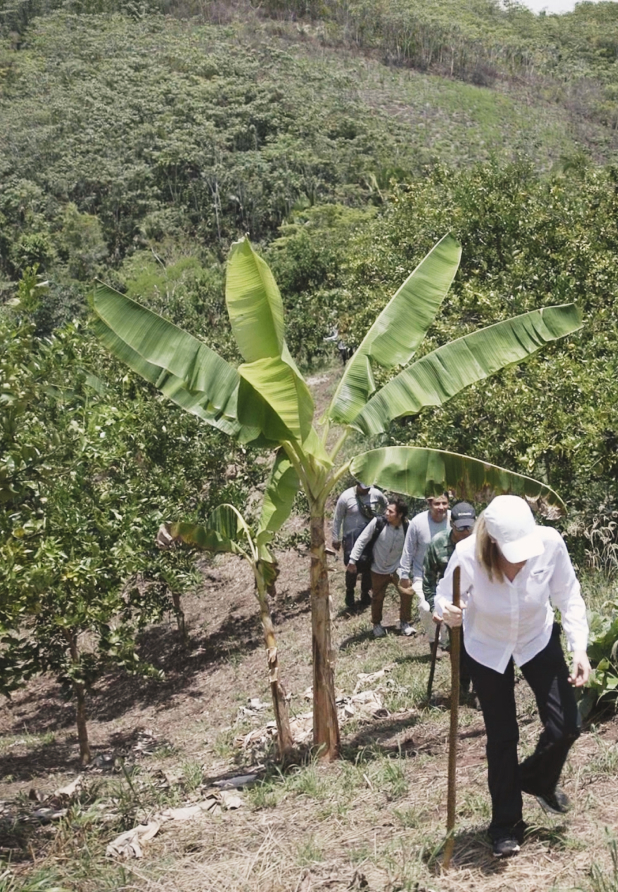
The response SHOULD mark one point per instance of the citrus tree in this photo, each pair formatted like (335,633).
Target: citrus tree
(87,473)
(266,401)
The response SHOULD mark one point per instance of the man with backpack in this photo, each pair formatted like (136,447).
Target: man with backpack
(382,541)
(356,507)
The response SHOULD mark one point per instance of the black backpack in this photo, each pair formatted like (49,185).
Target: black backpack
(381,521)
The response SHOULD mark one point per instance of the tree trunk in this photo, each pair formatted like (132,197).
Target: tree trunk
(280,703)
(80,697)
(180,616)
(82,728)
(325,724)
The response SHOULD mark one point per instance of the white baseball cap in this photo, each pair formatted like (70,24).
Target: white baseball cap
(509,521)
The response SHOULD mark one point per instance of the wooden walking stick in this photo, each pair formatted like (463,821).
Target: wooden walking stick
(434,656)
(452,736)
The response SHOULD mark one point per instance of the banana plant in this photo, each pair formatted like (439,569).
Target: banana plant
(266,402)
(226,530)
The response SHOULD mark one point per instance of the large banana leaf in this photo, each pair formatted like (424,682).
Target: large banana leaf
(437,377)
(160,343)
(275,399)
(420,472)
(399,329)
(205,538)
(254,304)
(170,386)
(256,314)
(278,500)
(226,530)
(279,495)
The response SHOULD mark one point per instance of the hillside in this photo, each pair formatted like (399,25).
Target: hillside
(138,141)
(373,821)
(158,129)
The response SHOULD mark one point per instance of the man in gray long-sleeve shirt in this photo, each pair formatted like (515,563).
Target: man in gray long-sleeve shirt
(387,549)
(421,531)
(356,507)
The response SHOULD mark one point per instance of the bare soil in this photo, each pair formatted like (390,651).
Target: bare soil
(374,820)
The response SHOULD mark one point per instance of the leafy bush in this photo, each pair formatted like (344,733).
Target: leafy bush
(88,472)
(603,654)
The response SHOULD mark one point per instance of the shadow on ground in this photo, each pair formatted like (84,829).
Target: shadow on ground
(31,764)
(184,665)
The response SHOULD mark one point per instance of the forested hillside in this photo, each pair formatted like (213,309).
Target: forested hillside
(138,142)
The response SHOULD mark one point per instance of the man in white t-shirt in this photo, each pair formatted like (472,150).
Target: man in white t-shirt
(421,531)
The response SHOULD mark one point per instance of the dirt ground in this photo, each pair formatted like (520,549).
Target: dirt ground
(374,820)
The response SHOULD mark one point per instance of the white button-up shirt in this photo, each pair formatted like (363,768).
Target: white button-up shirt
(514,619)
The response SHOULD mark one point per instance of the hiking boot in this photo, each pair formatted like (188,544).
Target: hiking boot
(407,629)
(505,847)
(379,631)
(349,602)
(555,803)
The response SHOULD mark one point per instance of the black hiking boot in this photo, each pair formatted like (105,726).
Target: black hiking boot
(505,847)
(555,803)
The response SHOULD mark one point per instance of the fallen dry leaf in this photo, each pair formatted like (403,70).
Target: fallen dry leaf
(127,845)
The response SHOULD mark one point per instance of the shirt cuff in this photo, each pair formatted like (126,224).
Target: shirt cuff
(437,606)
(578,643)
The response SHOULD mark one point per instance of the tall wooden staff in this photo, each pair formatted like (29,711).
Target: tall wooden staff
(452,736)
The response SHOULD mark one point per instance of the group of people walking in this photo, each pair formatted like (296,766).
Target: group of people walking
(513,574)
(380,546)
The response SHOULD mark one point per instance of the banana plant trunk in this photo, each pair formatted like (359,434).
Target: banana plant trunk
(325,723)
(280,703)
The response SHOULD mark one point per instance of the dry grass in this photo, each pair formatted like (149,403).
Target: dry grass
(374,820)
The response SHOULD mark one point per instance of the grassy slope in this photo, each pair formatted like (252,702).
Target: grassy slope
(448,120)
(372,814)
(377,814)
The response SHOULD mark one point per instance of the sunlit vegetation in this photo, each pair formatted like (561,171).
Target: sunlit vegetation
(138,142)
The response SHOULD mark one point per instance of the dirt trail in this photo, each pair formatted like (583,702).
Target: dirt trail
(374,818)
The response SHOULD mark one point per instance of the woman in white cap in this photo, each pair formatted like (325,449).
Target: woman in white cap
(512,573)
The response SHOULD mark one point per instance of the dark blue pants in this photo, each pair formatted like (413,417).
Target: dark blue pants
(364,572)
(547,675)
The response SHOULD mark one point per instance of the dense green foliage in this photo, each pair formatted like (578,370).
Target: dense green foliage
(527,240)
(137,143)
(151,132)
(88,471)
